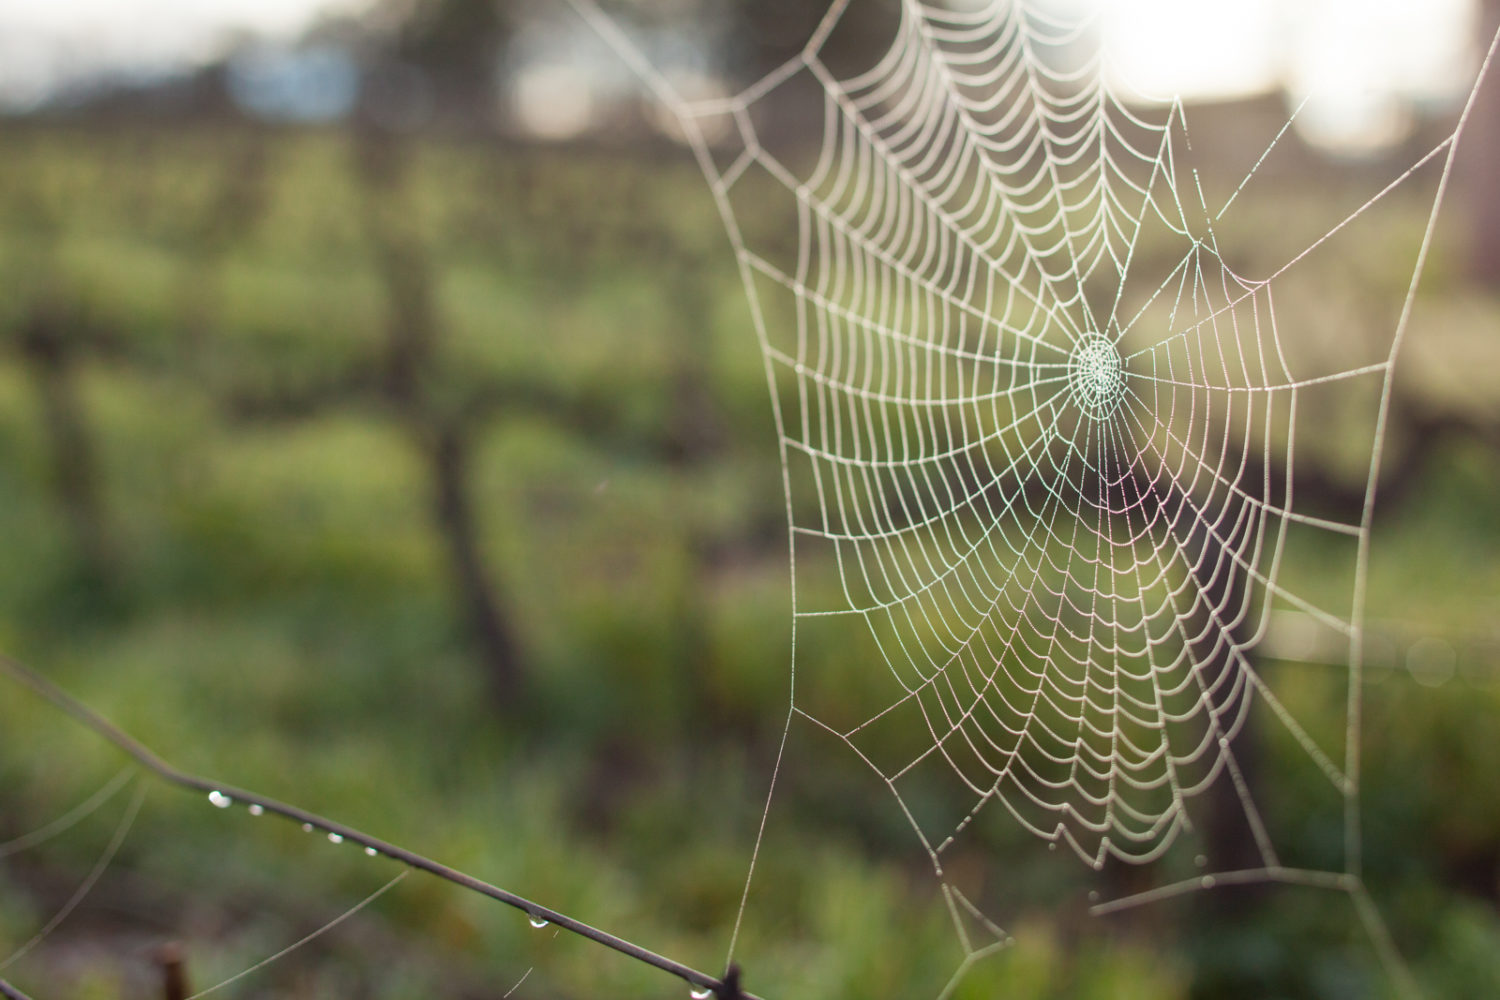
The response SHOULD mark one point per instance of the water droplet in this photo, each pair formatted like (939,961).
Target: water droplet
(334,838)
(1207,881)
(257,810)
(1093,895)
(371,851)
(307,828)
(219,799)
(1052,845)
(702,994)
(1200,861)
(538,923)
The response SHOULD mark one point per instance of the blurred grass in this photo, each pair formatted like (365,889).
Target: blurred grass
(279,614)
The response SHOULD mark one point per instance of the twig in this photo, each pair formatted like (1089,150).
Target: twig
(220,792)
(10,992)
(173,971)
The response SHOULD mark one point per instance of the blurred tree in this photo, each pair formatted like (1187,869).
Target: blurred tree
(237,205)
(52,338)
(444,408)
(456,45)
(51,342)
(763,34)
(442,431)
(1482,150)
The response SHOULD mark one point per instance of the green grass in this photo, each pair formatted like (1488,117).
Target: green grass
(280,616)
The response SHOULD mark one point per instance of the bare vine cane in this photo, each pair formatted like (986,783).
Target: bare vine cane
(10,992)
(224,795)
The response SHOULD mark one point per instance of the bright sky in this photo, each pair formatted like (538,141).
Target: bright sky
(1361,65)
(1420,47)
(1358,57)
(45,42)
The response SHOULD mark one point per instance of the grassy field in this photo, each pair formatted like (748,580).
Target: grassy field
(252,579)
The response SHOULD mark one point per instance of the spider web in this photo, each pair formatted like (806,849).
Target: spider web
(1053,473)
(1045,434)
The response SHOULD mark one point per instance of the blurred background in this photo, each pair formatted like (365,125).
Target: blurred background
(382,428)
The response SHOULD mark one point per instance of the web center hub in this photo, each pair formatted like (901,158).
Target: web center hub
(1096,376)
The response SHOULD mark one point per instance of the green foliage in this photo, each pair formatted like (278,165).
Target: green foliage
(278,611)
